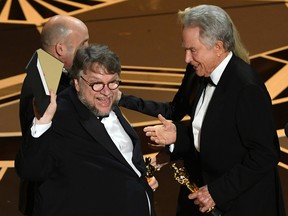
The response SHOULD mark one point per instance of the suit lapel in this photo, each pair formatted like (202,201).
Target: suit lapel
(125,124)
(137,157)
(97,130)
(94,127)
(224,82)
(223,88)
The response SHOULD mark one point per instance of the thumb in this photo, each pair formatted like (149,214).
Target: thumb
(163,120)
(192,195)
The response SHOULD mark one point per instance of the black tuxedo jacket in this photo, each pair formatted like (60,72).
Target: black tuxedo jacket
(82,171)
(239,148)
(26,115)
(175,110)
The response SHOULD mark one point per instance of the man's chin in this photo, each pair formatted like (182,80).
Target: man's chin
(104,112)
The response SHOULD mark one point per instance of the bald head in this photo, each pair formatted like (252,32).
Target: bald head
(62,35)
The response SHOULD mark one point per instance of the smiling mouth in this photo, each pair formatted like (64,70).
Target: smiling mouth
(105,101)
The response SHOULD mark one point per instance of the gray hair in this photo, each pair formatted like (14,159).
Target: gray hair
(213,22)
(87,56)
(215,25)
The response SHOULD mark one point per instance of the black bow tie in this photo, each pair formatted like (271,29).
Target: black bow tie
(101,117)
(208,80)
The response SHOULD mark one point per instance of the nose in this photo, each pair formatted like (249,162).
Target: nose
(106,90)
(188,57)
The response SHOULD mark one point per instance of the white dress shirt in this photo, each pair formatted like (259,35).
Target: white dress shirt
(122,142)
(203,102)
(120,138)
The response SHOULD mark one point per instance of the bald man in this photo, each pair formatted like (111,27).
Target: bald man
(61,36)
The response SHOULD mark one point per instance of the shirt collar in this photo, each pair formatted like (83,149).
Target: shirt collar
(217,73)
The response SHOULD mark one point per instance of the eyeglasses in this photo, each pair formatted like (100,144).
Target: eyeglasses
(98,86)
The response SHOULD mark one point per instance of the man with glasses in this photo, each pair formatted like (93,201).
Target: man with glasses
(88,157)
(98,86)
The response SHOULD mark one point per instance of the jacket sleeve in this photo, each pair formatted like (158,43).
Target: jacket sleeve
(35,160)
(174,110)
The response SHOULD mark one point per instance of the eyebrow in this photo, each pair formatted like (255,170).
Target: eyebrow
(96,79)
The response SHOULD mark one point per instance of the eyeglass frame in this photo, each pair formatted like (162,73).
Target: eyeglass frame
(117,81)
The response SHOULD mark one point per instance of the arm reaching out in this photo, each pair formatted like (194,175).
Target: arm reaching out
(164,134)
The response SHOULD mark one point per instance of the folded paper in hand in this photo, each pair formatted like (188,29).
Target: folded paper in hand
(44,73)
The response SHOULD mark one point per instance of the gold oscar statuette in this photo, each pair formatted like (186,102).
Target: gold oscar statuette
(182,177)
(149,168)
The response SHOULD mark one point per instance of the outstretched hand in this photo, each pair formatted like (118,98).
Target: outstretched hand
(164,134)
(49,113)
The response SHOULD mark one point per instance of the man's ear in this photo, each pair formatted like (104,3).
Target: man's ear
(219,46)
(59,48)
(76,84)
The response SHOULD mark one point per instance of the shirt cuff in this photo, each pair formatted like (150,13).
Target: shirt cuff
(38,129)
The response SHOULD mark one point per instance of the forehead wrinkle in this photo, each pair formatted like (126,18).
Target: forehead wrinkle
(98,68)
